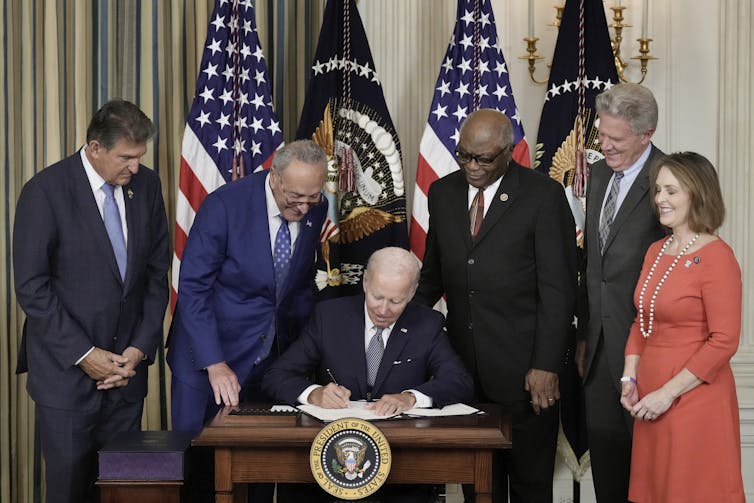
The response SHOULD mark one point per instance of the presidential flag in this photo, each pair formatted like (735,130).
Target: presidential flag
(583,66)
(232,129)
(473,75)
(345,113)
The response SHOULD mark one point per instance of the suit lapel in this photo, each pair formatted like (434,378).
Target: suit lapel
(506,194)
(634,196)
(354,342)
(457,214)
(133,232)
(395,344)
(302,255)
(260,241)
(83,198)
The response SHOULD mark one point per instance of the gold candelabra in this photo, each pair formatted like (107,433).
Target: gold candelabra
(615,43)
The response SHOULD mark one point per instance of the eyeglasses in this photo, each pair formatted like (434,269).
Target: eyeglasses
(296,199)
(481,160)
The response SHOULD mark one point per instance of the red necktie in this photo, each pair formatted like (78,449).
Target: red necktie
(476,213)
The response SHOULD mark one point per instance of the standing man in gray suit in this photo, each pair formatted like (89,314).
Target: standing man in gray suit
(620,226)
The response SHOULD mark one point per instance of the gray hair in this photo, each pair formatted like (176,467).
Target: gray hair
(305,151)
(396,261)
(631,102)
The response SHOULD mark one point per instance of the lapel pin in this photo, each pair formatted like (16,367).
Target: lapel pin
(697,260)
(130,193)
(308,223)
(687,263)
(503,197)
(404,330)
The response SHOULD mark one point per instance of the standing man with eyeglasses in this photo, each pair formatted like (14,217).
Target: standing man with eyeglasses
(246,283)
(501,248)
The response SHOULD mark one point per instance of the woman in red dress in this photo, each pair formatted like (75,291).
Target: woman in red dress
(677,381)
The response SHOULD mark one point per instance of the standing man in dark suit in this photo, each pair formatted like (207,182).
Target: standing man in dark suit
(501,247)
(90,258)
(620,226)
(246,283)
(378,345)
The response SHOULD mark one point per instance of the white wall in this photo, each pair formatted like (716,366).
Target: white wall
(693,39)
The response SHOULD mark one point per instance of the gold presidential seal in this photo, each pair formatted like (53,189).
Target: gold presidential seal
(350,458)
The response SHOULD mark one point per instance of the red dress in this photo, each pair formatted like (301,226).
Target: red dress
(692,452)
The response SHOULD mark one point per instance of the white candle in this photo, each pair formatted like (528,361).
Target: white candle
(645,19)
(531,18)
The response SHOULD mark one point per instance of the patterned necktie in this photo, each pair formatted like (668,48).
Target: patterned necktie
(476,213)
(608,214)
(282,255)
(374,355)
(111,216)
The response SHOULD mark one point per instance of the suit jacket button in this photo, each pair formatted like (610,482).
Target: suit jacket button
(471,261)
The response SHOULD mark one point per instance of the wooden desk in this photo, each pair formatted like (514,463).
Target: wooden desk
(424,451)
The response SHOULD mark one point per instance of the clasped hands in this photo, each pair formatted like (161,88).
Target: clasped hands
(650,407)
(334,396)
(111,370)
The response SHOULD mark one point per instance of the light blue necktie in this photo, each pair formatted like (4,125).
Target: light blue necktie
(114,228)
(374,355)
(282,254)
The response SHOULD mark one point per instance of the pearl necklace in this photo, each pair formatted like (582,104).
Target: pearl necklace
(646,333)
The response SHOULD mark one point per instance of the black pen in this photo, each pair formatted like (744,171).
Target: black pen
(332,377)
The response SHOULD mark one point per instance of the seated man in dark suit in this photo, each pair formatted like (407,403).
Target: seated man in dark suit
(378,346)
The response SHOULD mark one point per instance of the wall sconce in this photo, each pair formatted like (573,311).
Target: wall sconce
(615,42)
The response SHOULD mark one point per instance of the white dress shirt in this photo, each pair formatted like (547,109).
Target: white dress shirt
(370,328)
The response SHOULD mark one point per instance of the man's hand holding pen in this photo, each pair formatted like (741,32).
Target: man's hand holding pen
(332,396)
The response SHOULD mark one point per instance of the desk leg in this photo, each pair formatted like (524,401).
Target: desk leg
(483,476)
(223,478)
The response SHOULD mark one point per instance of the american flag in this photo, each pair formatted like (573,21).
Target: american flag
(473,75)
(231,117)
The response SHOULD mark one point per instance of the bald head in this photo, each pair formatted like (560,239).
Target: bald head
(489,125)
(485,146)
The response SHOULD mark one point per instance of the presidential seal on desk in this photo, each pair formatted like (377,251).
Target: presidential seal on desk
(350,458)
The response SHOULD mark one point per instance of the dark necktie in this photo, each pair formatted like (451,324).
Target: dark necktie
(476,213)
(282,255)
(608,213)
(374,355)
(111,216)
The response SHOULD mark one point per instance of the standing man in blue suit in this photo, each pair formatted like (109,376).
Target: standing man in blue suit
(90,259)
(246,283)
